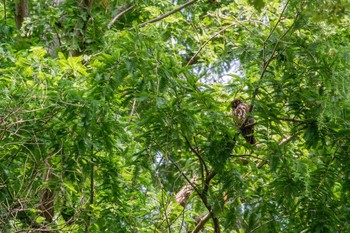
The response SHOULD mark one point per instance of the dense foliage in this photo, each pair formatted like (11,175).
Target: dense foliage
(113,111)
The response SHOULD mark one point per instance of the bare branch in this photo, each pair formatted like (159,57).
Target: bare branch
(168,13)
(133,109)
(210,39)
(128,8)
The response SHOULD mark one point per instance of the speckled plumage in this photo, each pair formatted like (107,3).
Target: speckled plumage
(242,119)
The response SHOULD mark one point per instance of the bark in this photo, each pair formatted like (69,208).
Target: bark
(80,33)
(21,12)
(185,192)
(46,204)
(201,222)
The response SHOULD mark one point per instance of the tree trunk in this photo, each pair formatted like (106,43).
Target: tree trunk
(21,12)
(47,199)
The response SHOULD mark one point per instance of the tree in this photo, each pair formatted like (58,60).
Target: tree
(21,12)
(116,116)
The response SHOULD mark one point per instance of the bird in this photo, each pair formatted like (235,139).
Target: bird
(242,119)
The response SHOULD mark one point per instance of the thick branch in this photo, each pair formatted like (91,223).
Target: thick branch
(186,191)
(182,196)
(202,195)
(205,201)
(168,13)
(201,223)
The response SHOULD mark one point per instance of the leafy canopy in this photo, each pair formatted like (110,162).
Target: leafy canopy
(113,110)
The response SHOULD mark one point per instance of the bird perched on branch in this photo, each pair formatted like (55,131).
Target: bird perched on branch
(242,119)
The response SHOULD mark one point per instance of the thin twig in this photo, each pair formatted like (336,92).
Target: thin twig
(165,206)
(246,155)
(167,14)
(119,15)
(5,13)
(207,41)
(261,225)
(215,35)
(284,141)
(267,62)
(133,109)
(186,178)
(92,192)
(201,160)
(290,119)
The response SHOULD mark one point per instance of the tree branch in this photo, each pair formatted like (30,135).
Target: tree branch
(267,62)
(5,13)
(207,41)
(201,223)
(182,196)
(92,193)
(128,8)
(167,14)
(133,109)
(186,178)
(202,195)
(290,119)
(201,160)
(205,202)
(285,140)
(246,155)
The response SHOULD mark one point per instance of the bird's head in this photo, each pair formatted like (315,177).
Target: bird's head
(235,103)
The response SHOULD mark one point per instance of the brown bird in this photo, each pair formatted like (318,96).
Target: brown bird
(242,119)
